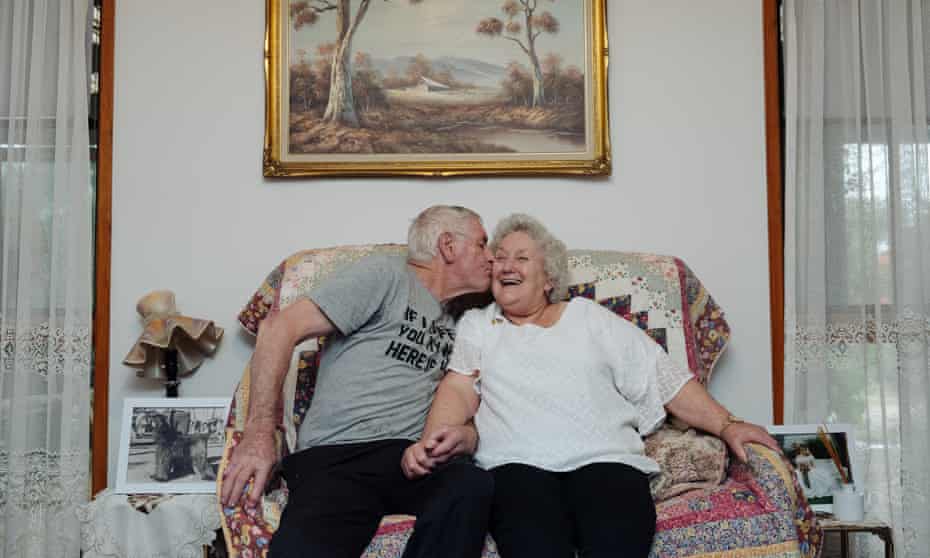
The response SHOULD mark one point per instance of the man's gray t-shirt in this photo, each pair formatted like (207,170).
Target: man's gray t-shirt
(378,375)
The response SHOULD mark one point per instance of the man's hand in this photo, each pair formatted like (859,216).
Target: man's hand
(738,434)
(415,462)
(439,447)
(253,457)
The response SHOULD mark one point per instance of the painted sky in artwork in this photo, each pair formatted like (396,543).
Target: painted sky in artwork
(447,28)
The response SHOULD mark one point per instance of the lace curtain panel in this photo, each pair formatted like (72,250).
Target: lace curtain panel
(46,202)
(857,242)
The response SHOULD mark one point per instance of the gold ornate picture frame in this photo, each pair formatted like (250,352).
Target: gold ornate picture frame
(436,88)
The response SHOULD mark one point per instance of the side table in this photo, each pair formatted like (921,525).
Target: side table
(141,526)
(844,528)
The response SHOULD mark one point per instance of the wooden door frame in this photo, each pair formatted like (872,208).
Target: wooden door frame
(101,335)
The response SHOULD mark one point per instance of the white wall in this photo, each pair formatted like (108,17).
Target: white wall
(192,213)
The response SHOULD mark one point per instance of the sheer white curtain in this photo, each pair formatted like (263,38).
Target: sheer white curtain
(46,224)
(857,242)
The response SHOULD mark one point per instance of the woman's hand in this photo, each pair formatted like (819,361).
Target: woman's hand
(455,404)
(738,434)
(415,462)
(444,443)
(694,405)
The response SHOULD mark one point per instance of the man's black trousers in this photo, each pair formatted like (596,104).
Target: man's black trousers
(339,493)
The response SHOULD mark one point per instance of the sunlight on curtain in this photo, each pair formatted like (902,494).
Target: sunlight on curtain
(46,225)
(857,242)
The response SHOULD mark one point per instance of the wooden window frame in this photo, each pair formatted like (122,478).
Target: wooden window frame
(774,146)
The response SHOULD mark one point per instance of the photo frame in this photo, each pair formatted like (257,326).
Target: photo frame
(436,88)
(171,445)
(816,473)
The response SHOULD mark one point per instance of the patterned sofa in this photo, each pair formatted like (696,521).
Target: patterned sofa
(707,506)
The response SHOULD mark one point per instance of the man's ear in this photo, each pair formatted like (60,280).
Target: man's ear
(447,247)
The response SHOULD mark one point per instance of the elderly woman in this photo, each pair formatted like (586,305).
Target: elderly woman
(561,394)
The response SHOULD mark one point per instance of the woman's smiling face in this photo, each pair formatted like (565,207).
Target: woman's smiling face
(519,281)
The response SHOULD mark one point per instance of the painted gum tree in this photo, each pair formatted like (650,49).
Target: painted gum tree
(532,25)
(341,104)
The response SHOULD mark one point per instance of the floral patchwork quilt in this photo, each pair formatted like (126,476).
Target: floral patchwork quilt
(757,511)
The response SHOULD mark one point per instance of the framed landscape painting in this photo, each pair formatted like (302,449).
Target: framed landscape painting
(436,87)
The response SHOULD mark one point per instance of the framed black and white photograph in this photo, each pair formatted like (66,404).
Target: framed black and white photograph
(820,469)
(171,445)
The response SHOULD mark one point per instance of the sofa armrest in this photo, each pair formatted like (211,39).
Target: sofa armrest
(243,528)
(767,470)
(770,473)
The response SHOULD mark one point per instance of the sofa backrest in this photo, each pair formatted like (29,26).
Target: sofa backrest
(660,294)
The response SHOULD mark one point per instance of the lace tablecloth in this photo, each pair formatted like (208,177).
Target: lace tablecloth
(150,526)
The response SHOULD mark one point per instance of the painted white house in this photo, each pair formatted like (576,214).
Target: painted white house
(428,85)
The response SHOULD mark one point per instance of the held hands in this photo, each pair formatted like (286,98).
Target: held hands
(738,434)
(440,446)
(253,457)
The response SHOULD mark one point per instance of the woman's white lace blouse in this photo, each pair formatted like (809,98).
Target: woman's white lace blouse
(581,391)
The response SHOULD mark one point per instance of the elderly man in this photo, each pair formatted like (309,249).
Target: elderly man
(390,336)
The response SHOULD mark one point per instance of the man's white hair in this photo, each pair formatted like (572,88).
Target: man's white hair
(555,254)
(424,232)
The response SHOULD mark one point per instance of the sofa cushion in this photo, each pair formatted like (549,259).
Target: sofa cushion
(688,459)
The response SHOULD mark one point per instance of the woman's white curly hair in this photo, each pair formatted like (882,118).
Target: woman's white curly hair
(555,254)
